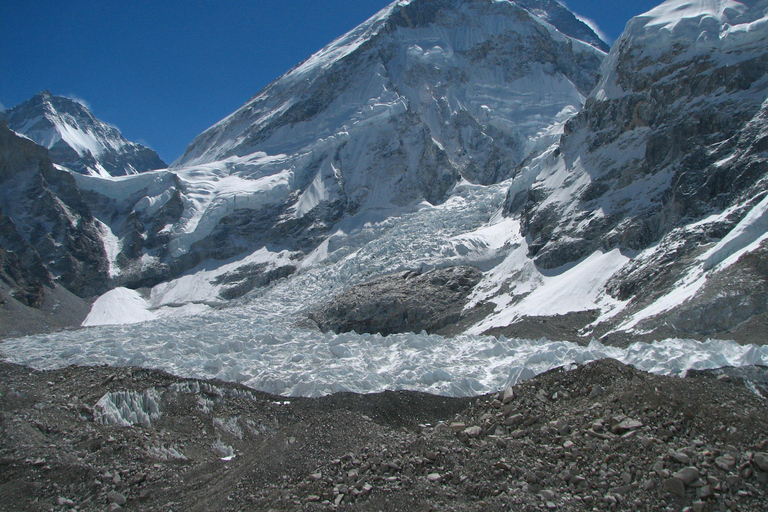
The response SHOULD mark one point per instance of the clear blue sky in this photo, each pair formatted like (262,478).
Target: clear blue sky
(164,71)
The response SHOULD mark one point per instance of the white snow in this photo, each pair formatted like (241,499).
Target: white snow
(752,230)
(745,237)
(200,285)
(725,30)
(84,142)
(119,306)
(671,13)
(574,288)
(112,246)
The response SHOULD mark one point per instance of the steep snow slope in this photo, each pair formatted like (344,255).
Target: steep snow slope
(77,140)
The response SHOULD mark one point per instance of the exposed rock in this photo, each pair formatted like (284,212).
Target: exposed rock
(680,457)
(116,497)
(473,432)
(627,425)
(726,462)
(45,223)
(675,486)
(403,302)
(761,459)
(687,475)
(393,451)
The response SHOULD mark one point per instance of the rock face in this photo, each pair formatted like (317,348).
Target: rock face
(50,244)
(674,132)
(667,157)
(49,234)
(404,302)
(77,140)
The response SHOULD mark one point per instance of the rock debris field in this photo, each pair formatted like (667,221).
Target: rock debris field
(600,436)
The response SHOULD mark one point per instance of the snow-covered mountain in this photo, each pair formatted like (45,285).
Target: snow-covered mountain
(425,95)
(77,140)
(477,169)
(621,197)
(657,191)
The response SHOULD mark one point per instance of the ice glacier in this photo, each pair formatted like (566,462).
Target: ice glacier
(260,342)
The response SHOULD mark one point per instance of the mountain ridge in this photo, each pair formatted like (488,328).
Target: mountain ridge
(77,140)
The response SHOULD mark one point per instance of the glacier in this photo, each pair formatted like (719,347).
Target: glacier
(260,341)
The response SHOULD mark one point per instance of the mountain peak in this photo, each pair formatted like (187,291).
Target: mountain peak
(413,48)
(78,140)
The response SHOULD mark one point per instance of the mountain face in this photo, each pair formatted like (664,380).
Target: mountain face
(480,164)
(397,112)
(77,140)
(667,163)
(50,244)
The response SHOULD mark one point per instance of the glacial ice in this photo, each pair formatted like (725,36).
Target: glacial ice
(258,341)
(127,408)
(235,346)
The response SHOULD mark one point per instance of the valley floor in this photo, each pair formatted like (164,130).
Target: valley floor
(596,436)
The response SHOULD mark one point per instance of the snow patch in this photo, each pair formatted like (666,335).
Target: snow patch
(752,229)
(575,288)
(119,306)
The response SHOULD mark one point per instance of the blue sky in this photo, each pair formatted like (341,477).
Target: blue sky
(165,71)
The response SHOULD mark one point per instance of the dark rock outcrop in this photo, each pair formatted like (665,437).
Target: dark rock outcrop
(403,302)
(45,223)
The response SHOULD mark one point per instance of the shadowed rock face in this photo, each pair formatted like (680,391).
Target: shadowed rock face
(403,302)
(46,230)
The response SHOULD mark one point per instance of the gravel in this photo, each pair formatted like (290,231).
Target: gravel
(600,436)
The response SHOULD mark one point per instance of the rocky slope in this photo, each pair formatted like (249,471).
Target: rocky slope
(667,163)
(50,244)
(601,436)
(77,140)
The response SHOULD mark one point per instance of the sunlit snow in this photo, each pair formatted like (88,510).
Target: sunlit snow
(259,341)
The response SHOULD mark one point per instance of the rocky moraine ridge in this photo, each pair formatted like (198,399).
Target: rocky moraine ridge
(602,436)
